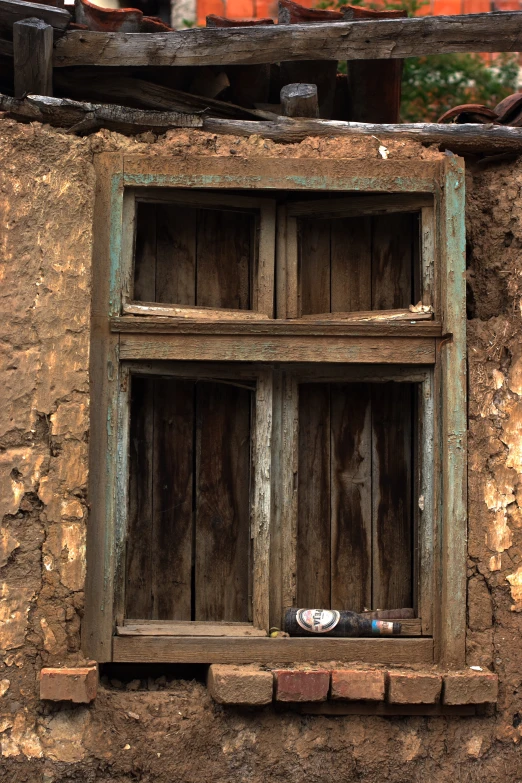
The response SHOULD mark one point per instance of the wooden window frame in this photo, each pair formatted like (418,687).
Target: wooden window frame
(435,347)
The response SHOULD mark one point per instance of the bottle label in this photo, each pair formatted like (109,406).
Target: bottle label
(382,628)
(317,620)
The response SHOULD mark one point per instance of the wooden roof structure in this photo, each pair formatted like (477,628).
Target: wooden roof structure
(44,49)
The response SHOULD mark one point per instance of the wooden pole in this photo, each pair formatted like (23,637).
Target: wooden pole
(33,57)
(300,100)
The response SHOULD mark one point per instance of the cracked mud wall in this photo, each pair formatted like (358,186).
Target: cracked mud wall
(170,730)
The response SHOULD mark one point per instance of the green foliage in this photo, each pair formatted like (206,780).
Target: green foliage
(432,85)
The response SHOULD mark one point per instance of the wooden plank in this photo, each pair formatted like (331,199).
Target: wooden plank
(410,628)
(222,502)
(224,258)
(33,57)
(12,11)
(212,314)
(239,322)
(144,283)
(138,628)
(355,206)
(139,566)
(351,268)
(264,275)
(461,139)
(237,651)
(314,266)
(276,565)
(373,373)
(175,254)
(397,38)
(349,295)
(392,283)
(392,496)
(351,505)
(262,503)
(313,497)
(230,173)
(289,492)
(299,100)
(187,347)
(6,49)
(97,625)
(426,514)
(454,425)
(172,515)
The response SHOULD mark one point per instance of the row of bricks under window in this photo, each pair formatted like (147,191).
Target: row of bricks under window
(249,685)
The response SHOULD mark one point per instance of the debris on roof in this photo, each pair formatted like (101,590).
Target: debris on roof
(507,112)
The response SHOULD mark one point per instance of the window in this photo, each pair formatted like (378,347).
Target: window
(278,407)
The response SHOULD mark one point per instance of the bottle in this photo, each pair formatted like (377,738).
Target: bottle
(330,622)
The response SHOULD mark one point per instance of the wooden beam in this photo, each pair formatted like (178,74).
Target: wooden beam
(469,138)
(300,100)
(89,117)
(226,348)
(217,650)
(12,11)
(230,630)
(33,57)
(307,326)
(396,38)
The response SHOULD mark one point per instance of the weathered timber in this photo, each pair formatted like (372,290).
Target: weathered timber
(168,628)
(147,95)
(185,311)
(6,48)
(187,347)
(89,117)
(360,40)
(33,57)
(236,651)
(300,100)
(12,11)
(243,322)
(472,138)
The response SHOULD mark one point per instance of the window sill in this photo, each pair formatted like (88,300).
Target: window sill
(169,649)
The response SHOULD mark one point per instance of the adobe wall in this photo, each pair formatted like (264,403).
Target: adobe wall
(171,731)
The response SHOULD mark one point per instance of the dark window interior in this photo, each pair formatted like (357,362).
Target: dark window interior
(188,549)
(358,263)
(355,495)
(195,256)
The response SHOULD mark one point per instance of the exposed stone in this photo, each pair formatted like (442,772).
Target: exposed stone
(240,685)
(4,687)
(413,687)
(302,684)
(77,685)
(470,687)
(8,544)
(357,684)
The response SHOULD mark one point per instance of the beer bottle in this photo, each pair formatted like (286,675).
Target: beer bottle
(330,622)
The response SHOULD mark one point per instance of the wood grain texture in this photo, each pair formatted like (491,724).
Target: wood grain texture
(237,651)
(172,513)
(175,254)
(12,11)
(355,206)
(392,247)
(314,266)
(144,283)
(351,268)
(222,502)
(370,350)
(138,628)
(262,499)
(394,323)
(313,493)
(351,505)
(395,38)
(392,496)
(139,560)
(33,57)
(224,259)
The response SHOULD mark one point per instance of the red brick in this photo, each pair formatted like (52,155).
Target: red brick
(357,685)
(78,685)
(240,685)
(470,688)
(413,687)
(302,684)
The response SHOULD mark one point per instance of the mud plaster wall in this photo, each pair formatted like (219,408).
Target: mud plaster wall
(178,734)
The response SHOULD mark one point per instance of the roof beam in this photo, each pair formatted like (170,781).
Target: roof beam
(365,39)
